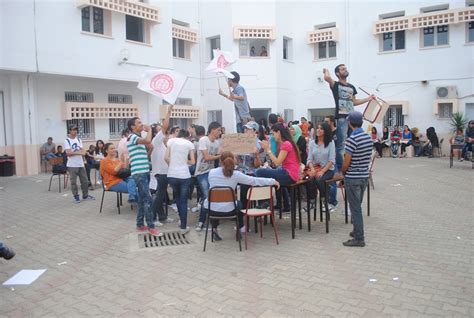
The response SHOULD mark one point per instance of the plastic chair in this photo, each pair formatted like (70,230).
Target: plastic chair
(58,161)
(119,197)
(221,195)
(256,194)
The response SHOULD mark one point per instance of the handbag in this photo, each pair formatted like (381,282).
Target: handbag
(124,173)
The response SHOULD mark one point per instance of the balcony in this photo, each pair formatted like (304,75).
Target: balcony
(74,110)
(128,7)
(424,20)
(184,33)
(323,35)
(254,32)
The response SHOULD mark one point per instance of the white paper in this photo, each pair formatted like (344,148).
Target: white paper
(373,280)
(395,278)
(25,277)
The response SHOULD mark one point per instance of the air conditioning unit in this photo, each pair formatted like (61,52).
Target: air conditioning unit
(446,92)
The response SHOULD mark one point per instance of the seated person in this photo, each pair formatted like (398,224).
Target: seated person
(226,176)
(61,153)
(416,141)
(300,141)
(468,140)
(433,141)
(395,141)
(406,141)
(457,139)
(47,149)
(263,52)
(109,169)
(378,144)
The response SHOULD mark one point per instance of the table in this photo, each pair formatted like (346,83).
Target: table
(293,188)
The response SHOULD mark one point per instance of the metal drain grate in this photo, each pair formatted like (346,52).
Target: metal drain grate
(147,240)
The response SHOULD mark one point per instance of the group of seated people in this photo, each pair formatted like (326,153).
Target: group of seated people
(188,158)
(397,140)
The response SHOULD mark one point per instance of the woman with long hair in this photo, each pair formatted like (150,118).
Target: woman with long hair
(322,158)
(226,176)
(109,170)
(300,141)
(407,137)
(287,161)
(378,145)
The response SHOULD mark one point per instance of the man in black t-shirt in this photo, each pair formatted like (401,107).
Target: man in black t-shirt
(344,97)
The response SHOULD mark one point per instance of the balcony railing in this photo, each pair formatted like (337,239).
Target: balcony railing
(72,110)
(254,32)
(424,20)
(184,33)
(128,7)
(323,35)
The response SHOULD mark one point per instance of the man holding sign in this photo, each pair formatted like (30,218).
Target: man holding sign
(344,96)
(241,104)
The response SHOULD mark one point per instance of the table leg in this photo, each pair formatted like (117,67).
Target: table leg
(308,210)
(293,213)
(368,197)
(299,208)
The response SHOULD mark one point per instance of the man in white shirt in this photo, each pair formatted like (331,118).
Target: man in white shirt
(75,165)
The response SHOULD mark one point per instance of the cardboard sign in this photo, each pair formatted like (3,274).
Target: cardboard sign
(375,111)
(238,144)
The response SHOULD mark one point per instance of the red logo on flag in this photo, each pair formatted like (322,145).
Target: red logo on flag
(162,83)
(222,62)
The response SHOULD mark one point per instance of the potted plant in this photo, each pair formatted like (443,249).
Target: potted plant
(458,121)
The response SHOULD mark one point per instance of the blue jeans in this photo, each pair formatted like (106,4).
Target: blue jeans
(182,189)
(355,189)
(160,197)
(127,186)
(240,128)
(142,181)
(320,183)
(340,142)
(333,191)
(203,184)
(467,147)
(282,176)
(48,156)
(394,147)
(2,247)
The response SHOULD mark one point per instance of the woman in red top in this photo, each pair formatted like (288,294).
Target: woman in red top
(287,161)
(109,169)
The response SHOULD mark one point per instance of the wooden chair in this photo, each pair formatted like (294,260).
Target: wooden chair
(58,161)
(222,195)
(253,195)
(295,192)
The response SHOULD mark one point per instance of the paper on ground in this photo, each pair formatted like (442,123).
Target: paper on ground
(25,277)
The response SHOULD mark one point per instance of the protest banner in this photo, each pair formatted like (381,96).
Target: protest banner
(238,144)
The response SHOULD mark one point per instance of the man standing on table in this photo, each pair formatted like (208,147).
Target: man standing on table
(356,174)
(140,167)
(241,104)
(344,95)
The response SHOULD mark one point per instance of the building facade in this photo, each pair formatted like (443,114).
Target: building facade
(80,61)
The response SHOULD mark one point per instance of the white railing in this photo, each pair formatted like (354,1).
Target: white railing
(72,110)
(128,7)
(323,35)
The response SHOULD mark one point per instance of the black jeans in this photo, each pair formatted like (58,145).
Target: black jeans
(160,197)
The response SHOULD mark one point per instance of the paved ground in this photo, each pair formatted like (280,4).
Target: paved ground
(420,231)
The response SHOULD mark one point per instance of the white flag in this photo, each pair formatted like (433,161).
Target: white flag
(221,60)
(166,84)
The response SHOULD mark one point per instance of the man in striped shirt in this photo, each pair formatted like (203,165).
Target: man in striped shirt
(356,173)
(140,168)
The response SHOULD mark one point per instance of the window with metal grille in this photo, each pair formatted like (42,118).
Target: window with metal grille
(394,116)
(85,127)
(79,97)
(214,115)
(120,99)
(116,125)
(445,110)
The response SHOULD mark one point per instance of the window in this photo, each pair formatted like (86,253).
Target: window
(181,49)
(184,101)
(325,49)
(254,47)
(85,127)
(78,97)
(215,43)
(96,24)
(288,114)
(470,31)
(394,116)
(287,49)
(393,41)
(445,110)
(120,99)
(181,122)
(214,115)
(116,125)
(435,36)
(137,29)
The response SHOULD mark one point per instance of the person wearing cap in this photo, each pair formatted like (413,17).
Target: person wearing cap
(75,165)
(241,104)
(356,174)
(344,96)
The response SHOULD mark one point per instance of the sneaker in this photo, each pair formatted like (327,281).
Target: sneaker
(351,234)
(7,253)
(197,208)
(173,206)
(155,232)
(179,222)
(76,199)
(199,226)
(216,236)
(88,198)
(142,228)
(158,223)
(462,159)
(354,242)
(186,230)
(168,220)
(332,208)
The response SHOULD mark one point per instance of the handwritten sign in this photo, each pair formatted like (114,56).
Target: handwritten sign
(238,144)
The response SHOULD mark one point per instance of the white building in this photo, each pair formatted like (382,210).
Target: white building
(81,60)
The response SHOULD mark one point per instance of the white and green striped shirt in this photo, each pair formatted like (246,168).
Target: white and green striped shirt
(138,156)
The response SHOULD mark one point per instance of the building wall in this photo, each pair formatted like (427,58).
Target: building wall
(47,54)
